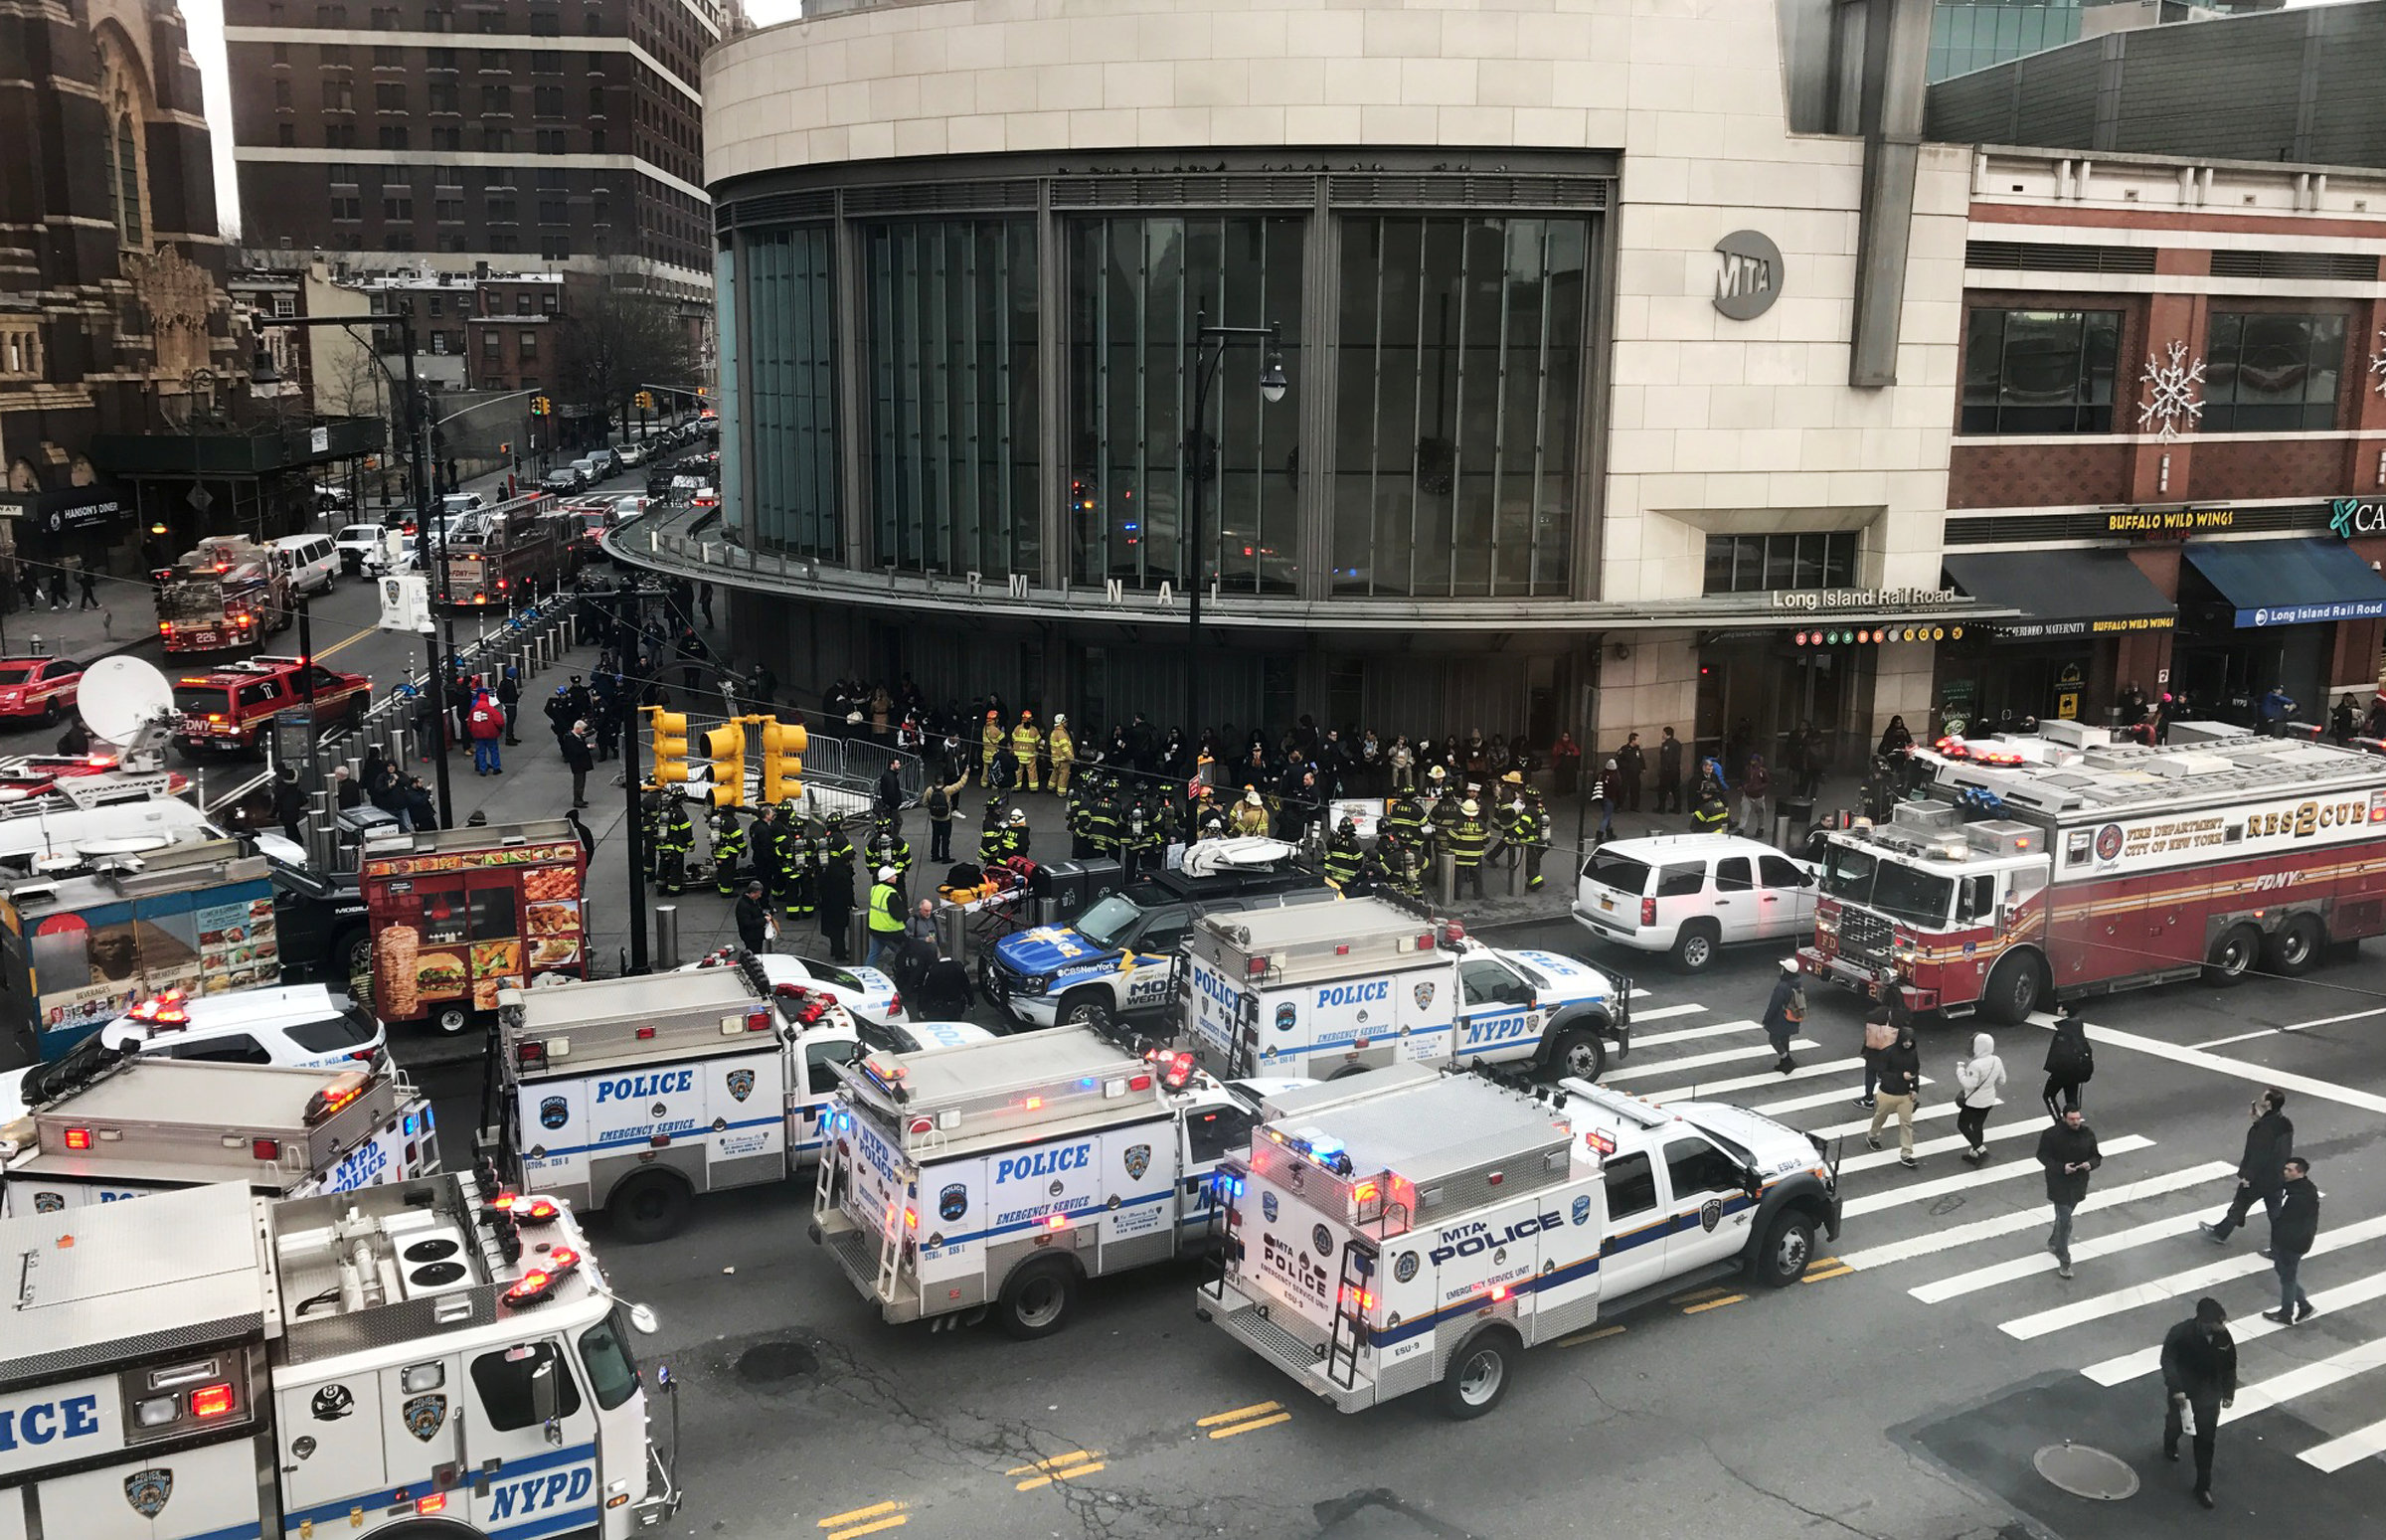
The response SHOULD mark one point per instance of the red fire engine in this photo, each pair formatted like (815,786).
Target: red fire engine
(2069,864)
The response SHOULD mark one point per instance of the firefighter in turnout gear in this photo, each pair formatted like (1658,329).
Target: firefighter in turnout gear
(1103,819)
(1404,815)
(1213,825)
(674,840)
(993,840)
(1403,861)
(887,848)
(1250,816)
(1064,754)
(728,846)
(1524,827)
(1444,816)
(1470,837)
(791,855)
(1710,814)
(1027,743)
(990,743)
(837,844)
(651,829)
(1079,806)
(1014,833)
(1343,855)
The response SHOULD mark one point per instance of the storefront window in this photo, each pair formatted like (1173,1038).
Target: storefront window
(790,413)
(1458,404)
(1753,564)
(1135,286)
(2271,373)
(952,355)
(2040,371)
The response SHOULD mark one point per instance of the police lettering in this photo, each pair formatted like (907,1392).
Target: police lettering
(636,1087)
(1213,987)
(1354,995)
(1044,1162)
(540,1493)
(1473,1240)
(45,1422)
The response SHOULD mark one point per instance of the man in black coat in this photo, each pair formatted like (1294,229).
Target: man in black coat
(1669,774)
(834,888)
(2199,1376)
(1631,764)
(889,802)
(2269,1141)
(2292,1230)
(2068,1153)
(754,915)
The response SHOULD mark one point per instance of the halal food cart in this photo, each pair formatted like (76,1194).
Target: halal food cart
(457,915)
(75,952)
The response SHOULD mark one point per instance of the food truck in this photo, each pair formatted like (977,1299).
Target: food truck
(75,952)
(457,915)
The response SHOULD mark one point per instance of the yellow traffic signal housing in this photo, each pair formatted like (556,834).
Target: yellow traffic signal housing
(671,746)
(725,745)
(783,761)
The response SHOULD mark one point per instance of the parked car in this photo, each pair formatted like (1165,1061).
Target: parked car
(329,497)
(38,687)
(364,548)
(315,561)
(1691,894)
(565,479)
(630,455)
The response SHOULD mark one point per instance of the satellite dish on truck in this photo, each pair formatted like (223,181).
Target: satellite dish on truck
(128,702)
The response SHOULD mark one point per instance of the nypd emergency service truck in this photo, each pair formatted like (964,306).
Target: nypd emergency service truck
(634,1094)
(1001,1176)
(132,1125)
(408,1361)
(1328,991)
(1418,1227)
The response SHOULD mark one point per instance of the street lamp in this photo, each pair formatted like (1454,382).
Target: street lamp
(1273,385)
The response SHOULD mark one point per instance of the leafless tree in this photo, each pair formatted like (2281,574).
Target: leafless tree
(618,338)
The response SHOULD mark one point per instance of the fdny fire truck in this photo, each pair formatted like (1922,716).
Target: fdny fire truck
(227,591)
(2069,864)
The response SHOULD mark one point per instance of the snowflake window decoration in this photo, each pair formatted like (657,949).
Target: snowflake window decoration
(2377,361)
(2173,391)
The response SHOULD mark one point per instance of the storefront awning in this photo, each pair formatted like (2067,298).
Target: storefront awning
(2063,592)
(2291,581)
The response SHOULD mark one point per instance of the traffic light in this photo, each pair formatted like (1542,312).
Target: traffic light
(783,761)
(725,745)
(646,400)
(505,449)
(671,746)
(538,405)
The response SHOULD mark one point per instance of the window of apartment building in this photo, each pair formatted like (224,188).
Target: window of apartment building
(601,210)
(500,210)
(553,178)
(551,141)
(2039,370)
(440,58)
(443,96)
(1755,564)
(547,101)
(333,54)
(545,61)
(596,142)
(398,240)
(450,240)
(286,135)
(273,16)
(439,343)
(347,208)
(529,346)
(281,95)
(337,98)
(496,61)
(553,211)
(497,99)
(546,24)
(389,98)
(385,17)
(399,208)
(522,303)
(331,16)
(435,304)
(392,137)
(451,138)
(448,210)
(2268,372)
(596,102)
(339,136)
(502,240)
(499,141)
(492,21)
(592,22)
(437,20)
(281,52)
(547,304)
(491,343)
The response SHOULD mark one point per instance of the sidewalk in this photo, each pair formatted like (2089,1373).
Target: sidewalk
(127,617)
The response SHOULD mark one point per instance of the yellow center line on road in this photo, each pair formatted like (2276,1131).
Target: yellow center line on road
(857,1514)
(1581,1337)
(1251,1427)
(1239,1413)
(897,1522)
(1058,1468)
(346,642)
(1840,1270)
(1716,1305)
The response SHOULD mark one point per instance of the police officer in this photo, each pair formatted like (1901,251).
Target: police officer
(1343,854)
(729,845)
(1470,837)
(1027,743)
(674,842)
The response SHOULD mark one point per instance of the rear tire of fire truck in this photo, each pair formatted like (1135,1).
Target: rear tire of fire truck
(1084,1008)
(1782,1257)
(649,1207)
(2232,956)
(2015,987)
(1579,1052)
(1695,947)
(1038,1297)
(1479,1373)
(2293,946)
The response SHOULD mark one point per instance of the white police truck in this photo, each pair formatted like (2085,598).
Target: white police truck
(1324,992)
(1001,1176)
(130,1125)
(408,1361)
(1418,1227)
(634,1094)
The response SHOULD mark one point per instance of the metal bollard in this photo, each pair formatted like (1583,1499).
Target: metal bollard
(953,932)
(1515,877)
(857,933)
(667,936)
(1445,877)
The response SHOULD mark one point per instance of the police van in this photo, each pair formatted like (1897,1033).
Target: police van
(632,1095)
(999,1177)
(128,1124)
(1329,991)
(1421,1228)
(405,1361)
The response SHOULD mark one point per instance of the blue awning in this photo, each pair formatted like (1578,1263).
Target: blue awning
(2291,581)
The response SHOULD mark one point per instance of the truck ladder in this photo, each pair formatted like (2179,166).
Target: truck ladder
(1243,1050)
(1350,1313)
(833,1166)
(890,1242)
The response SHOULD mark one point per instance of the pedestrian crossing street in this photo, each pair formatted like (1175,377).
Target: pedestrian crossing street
(1953,1232)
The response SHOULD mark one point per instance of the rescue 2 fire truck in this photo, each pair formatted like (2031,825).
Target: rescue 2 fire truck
(634,1094)
(1417,1228)
(503,555)
(418,1360)
(1331,989)
(2070,865)
(1002,1175)
(227,591)
(107,1125)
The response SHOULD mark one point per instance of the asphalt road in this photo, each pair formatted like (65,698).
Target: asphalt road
(1901,1392)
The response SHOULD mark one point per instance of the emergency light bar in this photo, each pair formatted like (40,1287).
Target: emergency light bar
(343,1089)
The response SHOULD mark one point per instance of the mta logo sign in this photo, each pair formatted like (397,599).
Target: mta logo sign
(1749,276)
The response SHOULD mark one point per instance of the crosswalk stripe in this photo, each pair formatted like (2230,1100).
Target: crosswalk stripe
(2146,1361)
(1663,1013)
(2170,1287)
(1699,1061)
(1981,1177)
(1688,1034)
(2304,1380)
(2088,1250)
(2359,1444)
(1822,1098)
(2027,1219)
(1857,1125)
(1719,1087)
(1953,1143)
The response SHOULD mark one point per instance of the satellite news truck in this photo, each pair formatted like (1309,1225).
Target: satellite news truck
(109,1125)
(411,1361)
(1332,989)
(1417,1228)
(1002,1175)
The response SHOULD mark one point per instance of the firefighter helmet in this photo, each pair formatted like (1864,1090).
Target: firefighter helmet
(1347,829)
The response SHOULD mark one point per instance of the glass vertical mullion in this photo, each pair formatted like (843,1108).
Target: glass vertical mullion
(1375,406)
(879,245)
(1142,444)
(1006,526)
(1541,425)
(1106,490)
(1458,411)
(1499,409)
(968,541)
(1417,409)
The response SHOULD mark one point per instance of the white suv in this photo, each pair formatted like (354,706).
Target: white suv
(298,1026)
(1691,893)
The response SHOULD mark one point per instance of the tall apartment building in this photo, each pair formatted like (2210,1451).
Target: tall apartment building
(466,131)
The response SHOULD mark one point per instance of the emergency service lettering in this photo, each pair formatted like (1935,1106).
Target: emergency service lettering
(1476,1237)
(539,1493)
(45,1422)
(1354,995)
(1044,1162)
(631,1086)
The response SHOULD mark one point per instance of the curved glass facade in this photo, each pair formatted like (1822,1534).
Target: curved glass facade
(788,413)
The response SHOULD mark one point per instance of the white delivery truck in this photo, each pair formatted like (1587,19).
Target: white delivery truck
(1418,1227)
(1329,991)
(398,1362)
(129,1125)
(634,1094)
(1005,1174)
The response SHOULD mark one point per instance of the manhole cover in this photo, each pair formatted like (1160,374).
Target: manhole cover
(2086,1473)
(775,1363)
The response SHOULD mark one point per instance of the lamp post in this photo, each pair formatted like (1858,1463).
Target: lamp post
(1272,384)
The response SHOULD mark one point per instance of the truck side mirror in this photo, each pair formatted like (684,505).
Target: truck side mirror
(542,1403)
(1752,1182)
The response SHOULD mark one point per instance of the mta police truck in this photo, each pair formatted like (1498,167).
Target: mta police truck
(415,1360)
(1419,1229)
(113,1124)
(1323,991)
